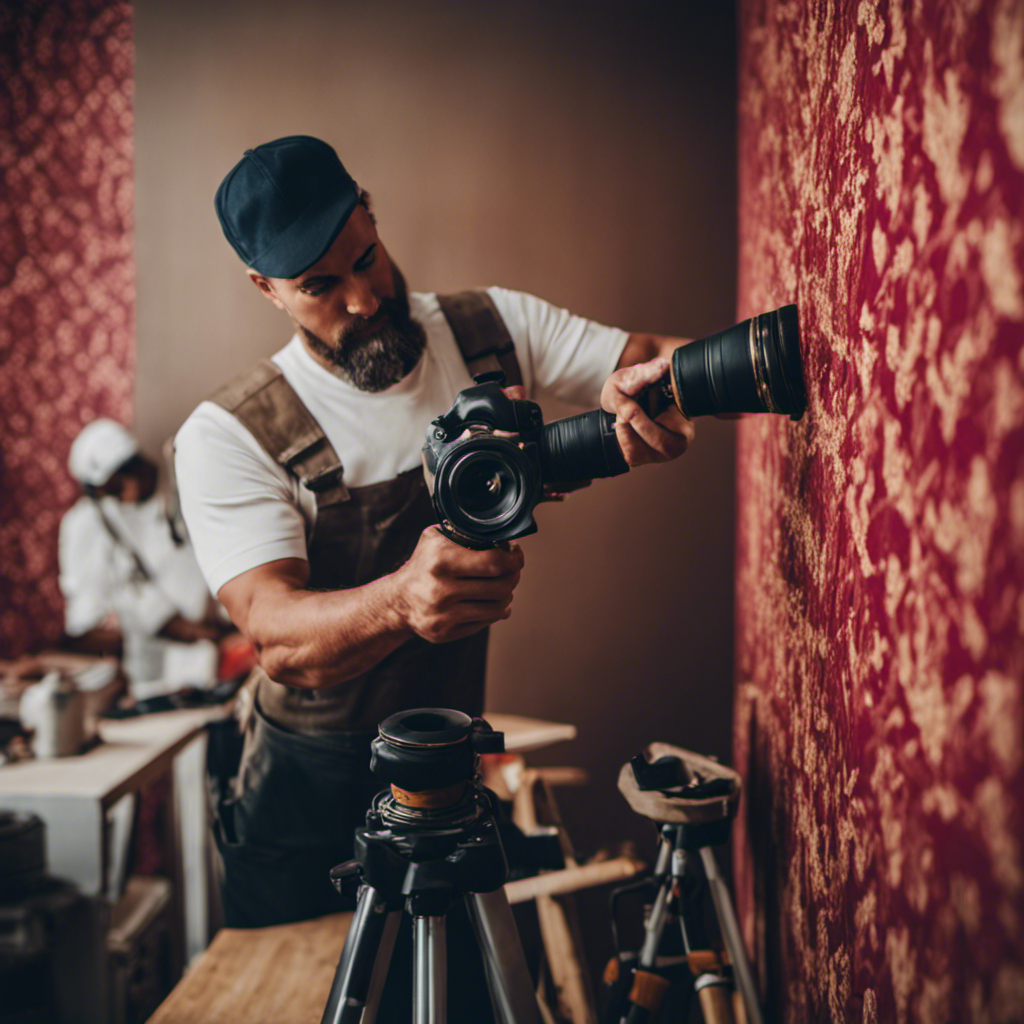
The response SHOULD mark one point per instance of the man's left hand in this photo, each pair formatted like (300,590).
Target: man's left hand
(642,439)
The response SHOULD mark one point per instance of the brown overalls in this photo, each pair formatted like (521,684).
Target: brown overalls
(303,784)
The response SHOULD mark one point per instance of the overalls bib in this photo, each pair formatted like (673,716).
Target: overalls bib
(303,784)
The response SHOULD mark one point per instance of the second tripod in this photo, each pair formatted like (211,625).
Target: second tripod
(429,842)
(693,800)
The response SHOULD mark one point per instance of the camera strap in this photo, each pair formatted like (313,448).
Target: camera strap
(481,334)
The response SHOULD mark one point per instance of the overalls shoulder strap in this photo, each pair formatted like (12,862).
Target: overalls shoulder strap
(481,334)
(267,405)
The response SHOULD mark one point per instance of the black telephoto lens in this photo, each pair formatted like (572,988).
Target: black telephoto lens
(754,366)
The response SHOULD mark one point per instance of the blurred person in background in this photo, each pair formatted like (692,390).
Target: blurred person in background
(128,574)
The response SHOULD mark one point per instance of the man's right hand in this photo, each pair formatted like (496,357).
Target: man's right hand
(316,638)
(447,591)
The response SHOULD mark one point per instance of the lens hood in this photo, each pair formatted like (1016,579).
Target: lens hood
(783,363)
(754,366)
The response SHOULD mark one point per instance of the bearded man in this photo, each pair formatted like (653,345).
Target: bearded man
(302,487)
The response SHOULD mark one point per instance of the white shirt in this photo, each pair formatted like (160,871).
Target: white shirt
(99,576)
(244,510)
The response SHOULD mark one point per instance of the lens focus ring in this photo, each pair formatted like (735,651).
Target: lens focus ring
(757,363)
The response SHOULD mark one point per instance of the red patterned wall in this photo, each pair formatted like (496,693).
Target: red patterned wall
(880,586)
(67,277)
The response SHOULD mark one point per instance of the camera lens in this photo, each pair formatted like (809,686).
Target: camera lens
(582,447)
(754,366)
(486,488)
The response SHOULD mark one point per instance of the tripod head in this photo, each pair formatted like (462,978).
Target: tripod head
(429,756)
(431,835)
(696,796)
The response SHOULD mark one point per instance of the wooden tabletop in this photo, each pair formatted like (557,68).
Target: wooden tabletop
(279,975)
(524,734)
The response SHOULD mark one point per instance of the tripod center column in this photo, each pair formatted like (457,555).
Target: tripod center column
(430,977)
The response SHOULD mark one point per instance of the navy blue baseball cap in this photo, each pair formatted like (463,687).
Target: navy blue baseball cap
(284,203)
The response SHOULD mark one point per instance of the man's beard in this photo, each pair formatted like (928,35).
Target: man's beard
(374,353)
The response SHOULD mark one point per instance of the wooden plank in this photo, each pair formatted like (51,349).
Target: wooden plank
(278,975)
(523,734)
(573,879)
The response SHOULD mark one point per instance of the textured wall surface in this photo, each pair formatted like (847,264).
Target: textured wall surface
(67,277)
(881,540)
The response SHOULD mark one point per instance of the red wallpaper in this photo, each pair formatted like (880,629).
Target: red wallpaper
(67,277)
(881,540)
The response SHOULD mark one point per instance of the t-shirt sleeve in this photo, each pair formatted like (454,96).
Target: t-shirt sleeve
(239,506)
(566,356)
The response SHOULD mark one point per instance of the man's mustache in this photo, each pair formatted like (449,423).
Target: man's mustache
(391,313)
(366,327)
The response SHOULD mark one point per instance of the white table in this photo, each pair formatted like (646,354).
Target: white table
(76,798)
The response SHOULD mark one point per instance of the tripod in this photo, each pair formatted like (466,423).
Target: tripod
(421,852)
(693,799)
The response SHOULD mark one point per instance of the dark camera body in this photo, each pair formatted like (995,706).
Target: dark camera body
(489,458)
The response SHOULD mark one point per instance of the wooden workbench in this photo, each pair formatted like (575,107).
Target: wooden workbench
(525,734)
(278,975)
(73,795)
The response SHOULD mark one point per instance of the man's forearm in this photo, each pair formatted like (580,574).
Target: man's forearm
(312,639)
(641,348)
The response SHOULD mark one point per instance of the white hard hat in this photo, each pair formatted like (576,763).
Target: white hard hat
(100,449)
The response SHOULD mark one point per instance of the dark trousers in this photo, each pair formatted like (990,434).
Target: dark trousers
(288,818)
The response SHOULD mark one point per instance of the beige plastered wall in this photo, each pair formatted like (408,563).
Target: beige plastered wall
(583,152)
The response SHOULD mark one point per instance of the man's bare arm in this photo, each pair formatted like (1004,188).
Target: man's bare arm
(313,639)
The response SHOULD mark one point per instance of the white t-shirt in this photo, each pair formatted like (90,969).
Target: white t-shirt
(244,510)
(99,575)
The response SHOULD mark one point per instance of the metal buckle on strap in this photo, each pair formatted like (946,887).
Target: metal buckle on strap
(324,481)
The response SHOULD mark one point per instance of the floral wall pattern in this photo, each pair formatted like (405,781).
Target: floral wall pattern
(67,277)
(880,591)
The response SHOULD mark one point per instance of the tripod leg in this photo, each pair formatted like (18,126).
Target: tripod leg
(507,973)
(649,988)
(731,934)
(364,962)
(430,971)
(714,993)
